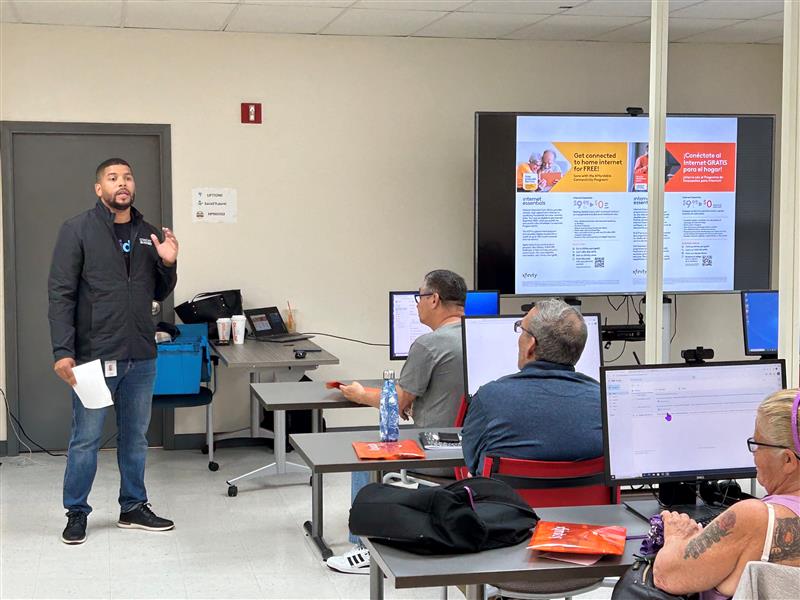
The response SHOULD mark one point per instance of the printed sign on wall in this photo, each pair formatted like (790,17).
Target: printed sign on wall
(214,205)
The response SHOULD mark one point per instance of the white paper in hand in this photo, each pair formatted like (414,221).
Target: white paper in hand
(91,385)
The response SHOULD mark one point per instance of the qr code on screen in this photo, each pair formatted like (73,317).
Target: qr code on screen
(599,262)
(707,261)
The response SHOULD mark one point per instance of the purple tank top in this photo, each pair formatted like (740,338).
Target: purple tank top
(787,500)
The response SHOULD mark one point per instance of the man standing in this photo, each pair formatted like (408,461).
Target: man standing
(108,266)
(431,383)
(547,411)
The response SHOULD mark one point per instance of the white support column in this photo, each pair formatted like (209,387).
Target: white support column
(659,19)
(789,252)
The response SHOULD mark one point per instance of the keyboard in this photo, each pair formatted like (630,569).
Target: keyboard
(430,441)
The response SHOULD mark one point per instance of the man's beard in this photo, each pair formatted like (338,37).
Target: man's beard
(113,203)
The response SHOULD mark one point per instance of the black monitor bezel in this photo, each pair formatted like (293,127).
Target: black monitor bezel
(690,476)
(747,351)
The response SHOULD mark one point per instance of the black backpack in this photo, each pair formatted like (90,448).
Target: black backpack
(466,516)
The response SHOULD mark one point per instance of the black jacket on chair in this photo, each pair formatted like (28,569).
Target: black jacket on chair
(97,309)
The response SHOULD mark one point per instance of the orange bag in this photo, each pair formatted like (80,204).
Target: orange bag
(388,450)
(578,538)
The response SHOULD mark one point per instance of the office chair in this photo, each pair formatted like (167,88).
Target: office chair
(551,484)
(186,385)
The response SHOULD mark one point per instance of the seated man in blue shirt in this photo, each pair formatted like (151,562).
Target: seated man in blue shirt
(547,411)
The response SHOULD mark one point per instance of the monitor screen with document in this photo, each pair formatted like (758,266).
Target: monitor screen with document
(404,324)
(665,423)
(491,350)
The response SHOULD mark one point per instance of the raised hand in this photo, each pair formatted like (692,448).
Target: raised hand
(168,249)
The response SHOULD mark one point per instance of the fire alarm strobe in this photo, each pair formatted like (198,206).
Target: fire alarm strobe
(251,112)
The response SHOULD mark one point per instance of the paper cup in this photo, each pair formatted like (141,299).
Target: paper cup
(238,328)
(224,329)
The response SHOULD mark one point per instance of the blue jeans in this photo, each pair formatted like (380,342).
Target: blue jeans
(358,479)
(132,390)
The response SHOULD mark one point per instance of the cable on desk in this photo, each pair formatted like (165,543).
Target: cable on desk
(340,337)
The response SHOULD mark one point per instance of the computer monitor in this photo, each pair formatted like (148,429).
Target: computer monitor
(671,423)
(760,322)
(483,302)
(404,325)
(491,350)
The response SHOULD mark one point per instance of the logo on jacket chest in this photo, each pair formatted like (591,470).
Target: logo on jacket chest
(146,241)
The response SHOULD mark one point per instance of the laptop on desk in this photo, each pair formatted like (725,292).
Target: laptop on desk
(267,325)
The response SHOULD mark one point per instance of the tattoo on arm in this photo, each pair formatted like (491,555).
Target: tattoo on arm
(785,540)
(712,534)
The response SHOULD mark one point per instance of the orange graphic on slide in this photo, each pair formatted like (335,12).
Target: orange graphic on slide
(704,167)
(594,167)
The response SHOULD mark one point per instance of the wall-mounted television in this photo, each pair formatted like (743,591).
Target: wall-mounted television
(561,203)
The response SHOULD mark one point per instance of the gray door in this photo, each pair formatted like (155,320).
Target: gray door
(48,176)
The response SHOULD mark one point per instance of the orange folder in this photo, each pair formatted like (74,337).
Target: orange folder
(388,450)
(577,538)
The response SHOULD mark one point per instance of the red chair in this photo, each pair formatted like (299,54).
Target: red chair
(550,484)
(554,483)
(461,472)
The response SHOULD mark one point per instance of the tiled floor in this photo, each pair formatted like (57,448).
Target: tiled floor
(251,546)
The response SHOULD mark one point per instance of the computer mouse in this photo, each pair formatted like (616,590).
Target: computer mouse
(298,354)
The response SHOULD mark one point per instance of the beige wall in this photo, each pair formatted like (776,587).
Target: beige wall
(361,177)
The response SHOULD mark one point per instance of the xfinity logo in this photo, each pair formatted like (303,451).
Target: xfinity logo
(530,275)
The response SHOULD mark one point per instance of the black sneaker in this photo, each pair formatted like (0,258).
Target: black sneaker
(75,531)
(143,518)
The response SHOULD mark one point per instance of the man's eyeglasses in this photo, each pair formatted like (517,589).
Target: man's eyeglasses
(419,295)
(753,445)
(518,327)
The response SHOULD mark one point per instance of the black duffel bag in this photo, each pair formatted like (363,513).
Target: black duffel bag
(207,307)
(466,516)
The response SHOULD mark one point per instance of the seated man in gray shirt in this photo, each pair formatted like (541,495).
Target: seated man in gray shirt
(546,411)
(431,383)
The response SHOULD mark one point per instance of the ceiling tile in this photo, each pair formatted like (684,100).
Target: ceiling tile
(177,14)
(730,9)
(746,32)
(79,12)
(354,21)
(311,3)
(478,25)
(277,18)
(434,5)
(678,29)
(613,8)
(778,16)
(777,40)
(569,28)
(531,7)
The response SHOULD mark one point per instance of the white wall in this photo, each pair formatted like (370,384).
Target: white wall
(361,178)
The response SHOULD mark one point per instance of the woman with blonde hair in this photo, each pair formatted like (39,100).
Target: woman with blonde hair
(711,560)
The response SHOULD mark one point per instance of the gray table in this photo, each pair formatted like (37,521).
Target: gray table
(282,396)
(333,453)
(515,563)
(272,362)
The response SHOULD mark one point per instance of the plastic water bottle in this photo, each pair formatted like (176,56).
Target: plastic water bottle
(389,410)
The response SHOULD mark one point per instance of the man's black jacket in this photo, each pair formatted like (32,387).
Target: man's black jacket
(96,309)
